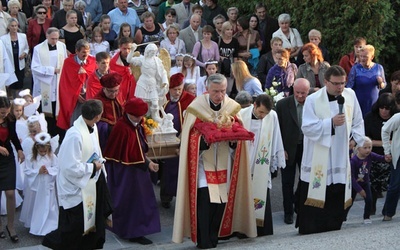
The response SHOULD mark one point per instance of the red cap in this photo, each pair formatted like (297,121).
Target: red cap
(136,107)
(176,80)
(111,80)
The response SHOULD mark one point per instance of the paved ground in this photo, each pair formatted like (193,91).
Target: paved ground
(354,235)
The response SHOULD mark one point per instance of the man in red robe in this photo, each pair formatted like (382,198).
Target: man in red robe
(72,90)
(121,66)
(103,68)
(112,108)
(178,101)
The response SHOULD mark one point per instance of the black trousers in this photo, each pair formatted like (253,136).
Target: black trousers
(288,180)
(209,216)
(267,229)
(316,220)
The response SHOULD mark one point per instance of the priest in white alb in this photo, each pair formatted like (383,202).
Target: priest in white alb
(331,117)
(266,155)
(47,62)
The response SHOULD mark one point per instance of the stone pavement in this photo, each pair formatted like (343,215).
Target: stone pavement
(354,234)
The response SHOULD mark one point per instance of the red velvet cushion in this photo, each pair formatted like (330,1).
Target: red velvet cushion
(212,133)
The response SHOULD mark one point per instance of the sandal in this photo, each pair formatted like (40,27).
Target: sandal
(13,238)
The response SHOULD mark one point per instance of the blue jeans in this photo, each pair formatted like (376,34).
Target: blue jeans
(393,193)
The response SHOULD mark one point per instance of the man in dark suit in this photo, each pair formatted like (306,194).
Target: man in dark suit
(290,112)
(266,27)
(192,34)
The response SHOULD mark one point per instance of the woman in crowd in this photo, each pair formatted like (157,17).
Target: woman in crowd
(13,9)
(37,27)
(314,67)
(7,166)
(282,74)
(228,51)
(366,78)
(149,32)
(71,32)
(314,36)
(253,22)
(290,36)
(250,43)
(218,20)
(17,49)
(170,19)
(172,43)
(205,49)
(233,13)
(268,60)
(244,80)
(381,111)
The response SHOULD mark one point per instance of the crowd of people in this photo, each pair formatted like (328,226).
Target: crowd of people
(248,99)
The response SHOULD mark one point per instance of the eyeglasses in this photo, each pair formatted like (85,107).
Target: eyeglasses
(337,83)
(41,13)
(385,107)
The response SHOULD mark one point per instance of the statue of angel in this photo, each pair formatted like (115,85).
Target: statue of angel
(152,84)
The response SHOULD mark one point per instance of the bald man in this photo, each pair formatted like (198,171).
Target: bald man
(290,112)
(193,33)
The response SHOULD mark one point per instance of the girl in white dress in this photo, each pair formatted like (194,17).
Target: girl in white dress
(41,169)
(189,68)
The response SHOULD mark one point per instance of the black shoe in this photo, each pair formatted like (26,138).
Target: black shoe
(2,235)
(13,238)
(288,219)
(141,240)
(166,204)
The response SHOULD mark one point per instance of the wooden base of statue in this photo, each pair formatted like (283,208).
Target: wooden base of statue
(163,145)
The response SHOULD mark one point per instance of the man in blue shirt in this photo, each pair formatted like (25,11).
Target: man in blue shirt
(123,14)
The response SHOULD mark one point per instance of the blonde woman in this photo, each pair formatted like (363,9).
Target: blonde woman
(244,80)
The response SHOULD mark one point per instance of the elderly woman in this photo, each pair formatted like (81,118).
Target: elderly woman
(290,36)
(267,61)
(206,49)
(314,36)
(149,32)
(244,80)
(282,75)
(17,49)
(233,13)
(381,111)
(366,78)
(172,43)
(250,43)
(217,21)
(71,32)
(37,27)
(314,67)
(13,9)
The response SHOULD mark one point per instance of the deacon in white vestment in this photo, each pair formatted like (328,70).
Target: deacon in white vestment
(47,62)
(266,155)
(80,165)
(325,188)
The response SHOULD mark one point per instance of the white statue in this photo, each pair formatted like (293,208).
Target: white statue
(152,85)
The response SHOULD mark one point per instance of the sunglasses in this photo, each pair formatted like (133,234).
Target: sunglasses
(41,13)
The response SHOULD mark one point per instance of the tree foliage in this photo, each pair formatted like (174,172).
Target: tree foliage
(340,21)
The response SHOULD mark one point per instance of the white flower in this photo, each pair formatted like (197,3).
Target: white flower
(275,84)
